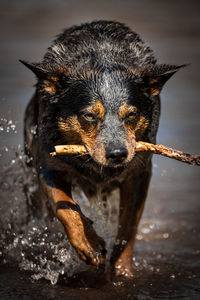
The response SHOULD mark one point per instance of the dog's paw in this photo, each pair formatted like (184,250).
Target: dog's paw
(91,247)
(123,269)
(82,236)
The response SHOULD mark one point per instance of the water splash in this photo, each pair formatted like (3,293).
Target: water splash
(42,248)
(7,126)
(38,245)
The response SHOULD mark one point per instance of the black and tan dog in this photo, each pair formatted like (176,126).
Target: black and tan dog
(98,86)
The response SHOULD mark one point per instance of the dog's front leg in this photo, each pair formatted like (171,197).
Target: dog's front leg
(82,236)
(133,192)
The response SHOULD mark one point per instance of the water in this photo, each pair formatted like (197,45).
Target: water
(36,260)
(36,251)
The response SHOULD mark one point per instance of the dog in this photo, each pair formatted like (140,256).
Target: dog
(98,85)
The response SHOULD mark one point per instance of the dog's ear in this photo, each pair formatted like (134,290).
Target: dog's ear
(36,68)
(155,77)
(49,78)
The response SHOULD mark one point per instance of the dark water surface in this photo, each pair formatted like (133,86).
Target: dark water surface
(36,260)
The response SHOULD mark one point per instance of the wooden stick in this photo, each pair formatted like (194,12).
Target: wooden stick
(69,149)
(140,146)
(191,159)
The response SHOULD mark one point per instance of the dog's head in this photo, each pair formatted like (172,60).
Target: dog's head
(107,110)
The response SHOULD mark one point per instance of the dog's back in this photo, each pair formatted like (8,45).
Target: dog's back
(100,44)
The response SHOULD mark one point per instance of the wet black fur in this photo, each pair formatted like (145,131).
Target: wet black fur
(106,48)
(105,61)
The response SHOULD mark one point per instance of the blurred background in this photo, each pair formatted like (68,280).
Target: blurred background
(172,29)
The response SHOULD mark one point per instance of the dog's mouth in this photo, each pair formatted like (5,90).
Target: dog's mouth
(111,160)
(118,163)
(112,169)
(107,167)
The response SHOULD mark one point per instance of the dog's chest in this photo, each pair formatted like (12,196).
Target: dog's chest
(95,191)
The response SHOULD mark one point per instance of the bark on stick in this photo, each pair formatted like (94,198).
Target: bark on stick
(192,159)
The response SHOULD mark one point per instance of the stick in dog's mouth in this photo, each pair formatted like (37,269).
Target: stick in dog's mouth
(69,149)
(191,159)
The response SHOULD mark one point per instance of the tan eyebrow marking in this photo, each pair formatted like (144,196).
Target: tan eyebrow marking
(97,109)
(124,110)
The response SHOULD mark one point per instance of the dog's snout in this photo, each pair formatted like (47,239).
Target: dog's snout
(116,155)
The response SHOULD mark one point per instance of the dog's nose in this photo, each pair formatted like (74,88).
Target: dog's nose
(116,155)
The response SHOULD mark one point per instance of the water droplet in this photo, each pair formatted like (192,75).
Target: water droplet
(34,129)
(124,242)
(145,230)
(157,270)
(139,237)
(165,235)
(137,263)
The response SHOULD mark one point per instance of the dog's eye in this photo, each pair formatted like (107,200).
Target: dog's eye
(131,115)
(89,117)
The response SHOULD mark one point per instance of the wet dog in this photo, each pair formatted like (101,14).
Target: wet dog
(98,86)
